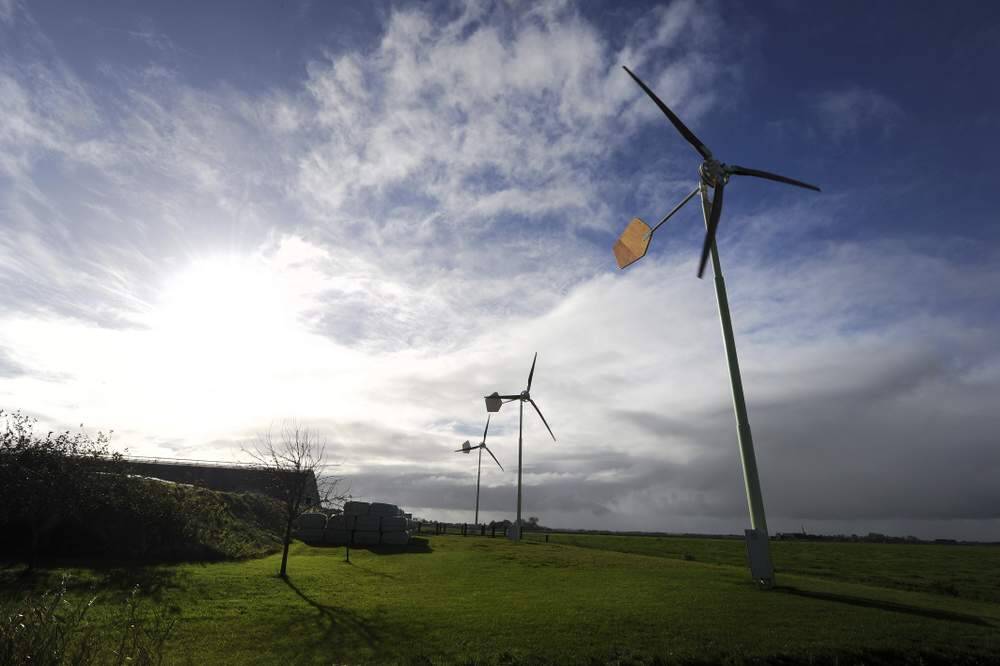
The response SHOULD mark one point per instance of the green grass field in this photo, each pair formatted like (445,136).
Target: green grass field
(619,599)
(971,572)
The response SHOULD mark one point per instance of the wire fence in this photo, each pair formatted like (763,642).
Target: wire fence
(491,530)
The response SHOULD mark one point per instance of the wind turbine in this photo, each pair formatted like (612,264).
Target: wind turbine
(468,448)
(494,402)
(632,245)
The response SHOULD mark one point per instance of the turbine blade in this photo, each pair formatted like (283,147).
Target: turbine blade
(487,427)
(494,458)
(542,417)
(681,127)
(532,372)
(713,224)
(756,173)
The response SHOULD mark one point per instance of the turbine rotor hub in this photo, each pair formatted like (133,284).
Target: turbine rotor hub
(525,395)
(713,172)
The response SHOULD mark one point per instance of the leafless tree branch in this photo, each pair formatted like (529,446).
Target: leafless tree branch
(294,460)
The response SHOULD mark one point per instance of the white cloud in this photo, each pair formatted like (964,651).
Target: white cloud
(847,112)
(512,109)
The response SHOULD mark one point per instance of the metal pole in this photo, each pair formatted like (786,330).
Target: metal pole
(755,500)
(520,442)
(479,472)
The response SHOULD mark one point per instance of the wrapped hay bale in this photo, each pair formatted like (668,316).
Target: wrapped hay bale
(336,537)
(367,523)
(356,508)
(394,524)
(382,509)
(365,538)
(311,521)
(395,538)
(341,523)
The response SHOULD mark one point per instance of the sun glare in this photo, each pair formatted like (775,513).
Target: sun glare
(219,324)
(222,299)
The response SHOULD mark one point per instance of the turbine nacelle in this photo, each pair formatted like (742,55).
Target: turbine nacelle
(713,172)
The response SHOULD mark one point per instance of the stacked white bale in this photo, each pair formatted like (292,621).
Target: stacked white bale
(338,530)
(394,531)
(366,530)
(310,526)
(383,509)
(356,508)
(394,524)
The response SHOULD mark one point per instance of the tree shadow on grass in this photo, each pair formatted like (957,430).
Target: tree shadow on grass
(932,613)
(343,632)
(416,545)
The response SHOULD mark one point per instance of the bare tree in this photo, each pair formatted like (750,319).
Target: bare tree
(294,462)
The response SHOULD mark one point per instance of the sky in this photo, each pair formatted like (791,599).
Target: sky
(216,218)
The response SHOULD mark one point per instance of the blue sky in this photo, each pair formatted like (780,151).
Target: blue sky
(364,216)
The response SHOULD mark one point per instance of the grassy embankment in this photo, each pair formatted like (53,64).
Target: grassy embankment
(455,599)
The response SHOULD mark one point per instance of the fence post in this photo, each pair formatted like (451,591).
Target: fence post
(546,537)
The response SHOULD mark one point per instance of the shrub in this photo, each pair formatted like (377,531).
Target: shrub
(51,630)
(45,480)
(68,495)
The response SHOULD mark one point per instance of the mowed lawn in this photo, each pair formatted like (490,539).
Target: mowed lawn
(971,572)
(473,599)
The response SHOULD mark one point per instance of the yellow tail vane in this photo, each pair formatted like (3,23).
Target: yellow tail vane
(632,244)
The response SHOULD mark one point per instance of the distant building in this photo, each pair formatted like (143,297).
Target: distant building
(227,478)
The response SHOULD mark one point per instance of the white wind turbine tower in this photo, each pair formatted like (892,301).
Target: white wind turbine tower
(494,402)
(468,448)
